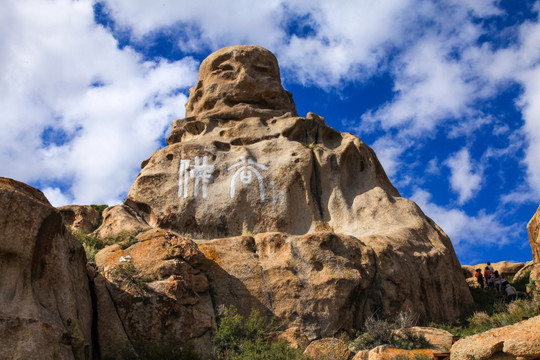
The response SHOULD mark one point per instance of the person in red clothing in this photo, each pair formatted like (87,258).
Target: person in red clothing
(488,276)
(479,278)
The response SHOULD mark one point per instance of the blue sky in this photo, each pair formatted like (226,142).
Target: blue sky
(446,92)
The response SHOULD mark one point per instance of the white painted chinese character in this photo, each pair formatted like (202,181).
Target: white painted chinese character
(202,173)
(277,195)
(246,169)
(183,178)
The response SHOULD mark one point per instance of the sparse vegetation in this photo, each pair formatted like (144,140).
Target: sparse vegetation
(99,209)
(415,357)
(381,332)
(91,244)
(491,311)
(242,339)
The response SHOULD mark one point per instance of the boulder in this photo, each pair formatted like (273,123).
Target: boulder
(118,219)
(293,217)
(328,349)
(45,301)
(533,228)
(518,341)
(385,352)
(153,290)
(440,340)
(80,217)
(524,271)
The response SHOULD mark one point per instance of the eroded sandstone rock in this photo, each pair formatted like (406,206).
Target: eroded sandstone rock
(153,290)
(80,217)
(518,341)
(328,348)
(293,217)
(45,303)
(533,228)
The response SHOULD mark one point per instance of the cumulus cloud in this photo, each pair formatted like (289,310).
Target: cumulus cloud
(466,177)
(79,113)
(467,231)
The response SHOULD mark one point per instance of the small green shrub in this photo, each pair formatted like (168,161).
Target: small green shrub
(381,332)
(248,339)
(91,244)
(124,239)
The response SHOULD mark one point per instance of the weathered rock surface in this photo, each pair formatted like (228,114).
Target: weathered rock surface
(518,341)
(45,302)
(533,228)
(153,290)
(118,219)
(440,340)
(328,349)
(293,217)
(385,352)
(80,217)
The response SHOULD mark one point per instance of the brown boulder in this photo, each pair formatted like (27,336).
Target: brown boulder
(518,341)
(45,306)
(328,349)
(80,217)
(385,352)
(156,290)
(533,228)
(120,219)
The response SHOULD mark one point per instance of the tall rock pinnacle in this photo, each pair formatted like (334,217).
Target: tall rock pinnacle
(237,82)
(290,216)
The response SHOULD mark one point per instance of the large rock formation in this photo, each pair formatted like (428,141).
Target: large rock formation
(291,216)
(45,302)
(533,228)
(518,341)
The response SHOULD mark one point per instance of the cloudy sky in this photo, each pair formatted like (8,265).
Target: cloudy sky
(446,92)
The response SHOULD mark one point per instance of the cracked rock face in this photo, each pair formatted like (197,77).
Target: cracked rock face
(45,304)
(293,218)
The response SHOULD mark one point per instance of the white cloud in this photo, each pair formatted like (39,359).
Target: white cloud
(388,152)
(466,177)
(467,232)
(52,54)
(56,197)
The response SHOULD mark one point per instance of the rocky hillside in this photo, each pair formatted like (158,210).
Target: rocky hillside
(248,205)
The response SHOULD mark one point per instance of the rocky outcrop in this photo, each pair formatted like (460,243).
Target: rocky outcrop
(45,301)
(80,217)
(151,291)
(518,341)
(118,219)
(533,228)
(328,348)
(293,217)
(385,352)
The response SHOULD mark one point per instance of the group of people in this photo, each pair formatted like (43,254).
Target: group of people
(493,279)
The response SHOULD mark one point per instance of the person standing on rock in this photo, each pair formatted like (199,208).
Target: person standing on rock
(488,276)
(479,278)
(490,267)
(499,281)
